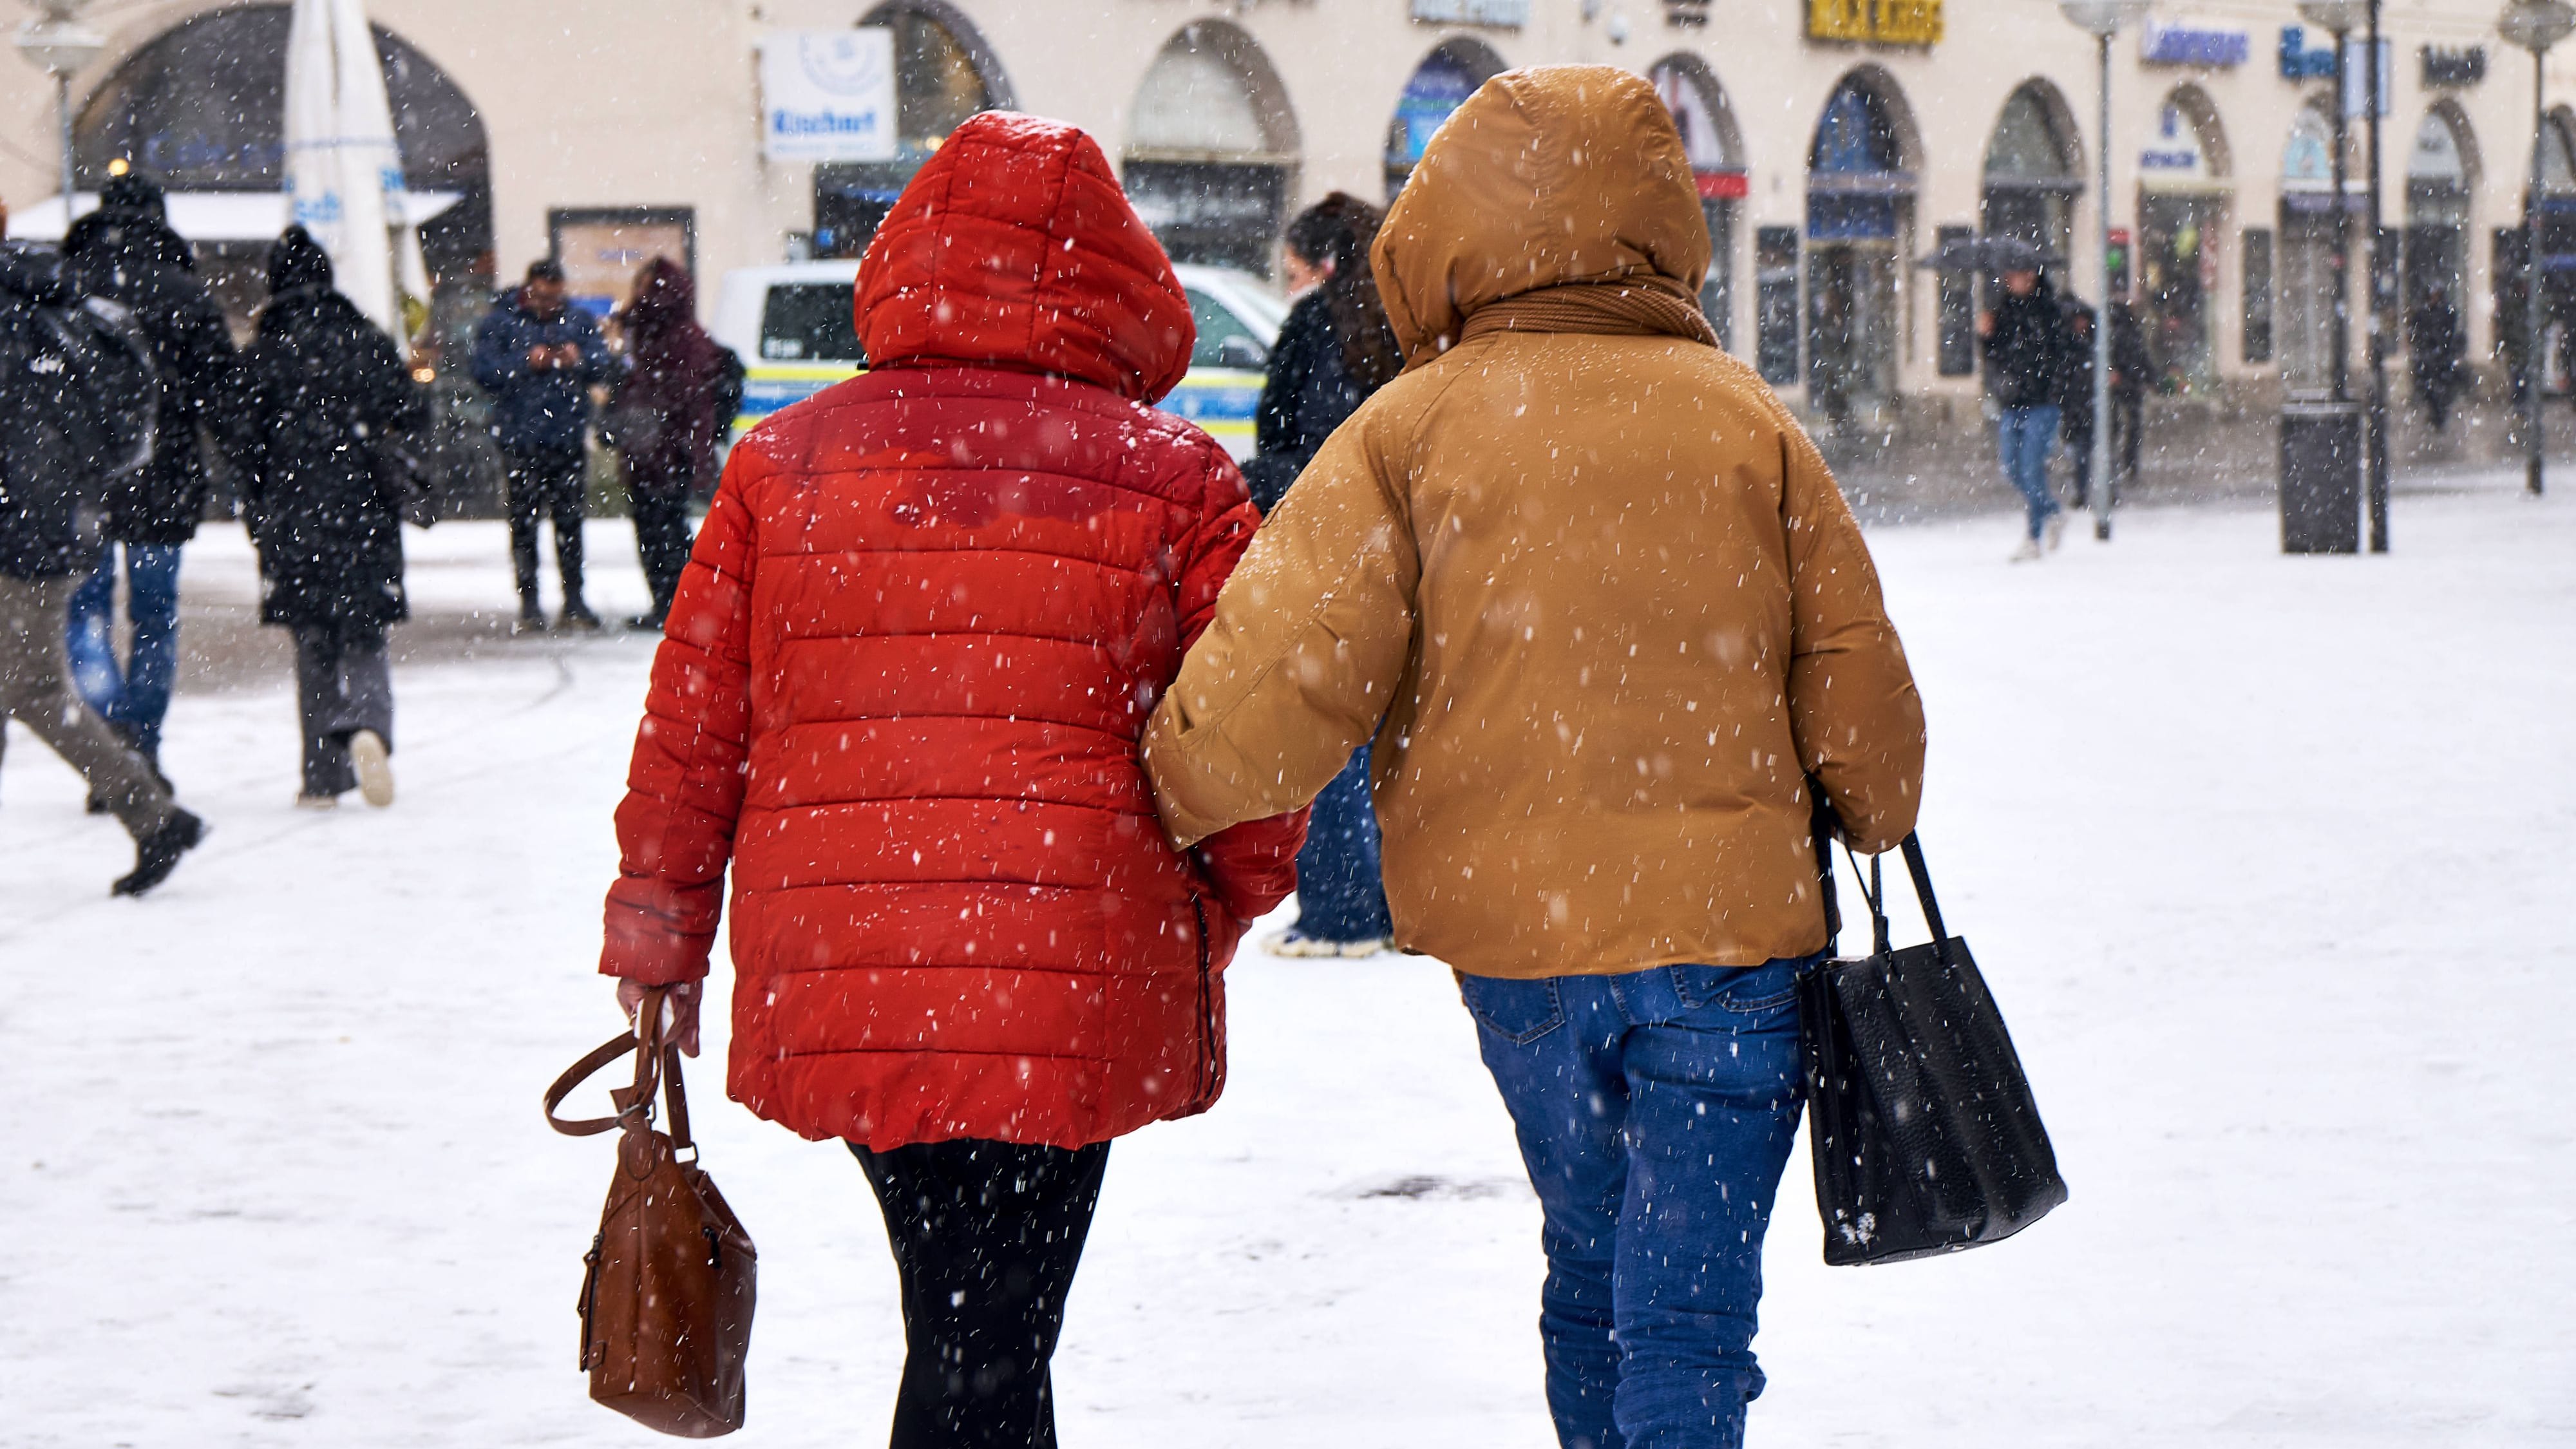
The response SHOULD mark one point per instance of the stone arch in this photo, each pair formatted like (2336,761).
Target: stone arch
(1714,144)
(201,105)
(2034,169)
(1212,148)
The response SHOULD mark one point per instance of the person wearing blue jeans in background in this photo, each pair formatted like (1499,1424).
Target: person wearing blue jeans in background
(2025,341)
(1598,608)
(133,695)
(126,253)
(1341,899)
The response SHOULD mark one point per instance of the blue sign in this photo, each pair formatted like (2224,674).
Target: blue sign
(2298,63)
(2192,45)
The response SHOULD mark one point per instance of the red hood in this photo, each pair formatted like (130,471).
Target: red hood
(1015,245)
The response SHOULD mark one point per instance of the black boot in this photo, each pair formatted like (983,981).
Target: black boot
(157,854)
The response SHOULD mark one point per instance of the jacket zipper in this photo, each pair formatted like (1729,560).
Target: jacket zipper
(1207,1010)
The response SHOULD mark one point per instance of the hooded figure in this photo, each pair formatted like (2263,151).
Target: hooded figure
(680,392)
(899,695)
(1600,604)
(126,252)
(321,389)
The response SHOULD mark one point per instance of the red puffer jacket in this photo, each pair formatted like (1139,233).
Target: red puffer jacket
(902,686)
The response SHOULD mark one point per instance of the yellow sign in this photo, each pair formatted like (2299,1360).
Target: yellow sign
(1876,22)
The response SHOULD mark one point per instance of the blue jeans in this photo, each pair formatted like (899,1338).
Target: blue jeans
(1655,1111)
(1340,895)
(2025,438)
(135,697)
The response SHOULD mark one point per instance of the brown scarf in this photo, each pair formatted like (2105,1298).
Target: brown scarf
(1646,306)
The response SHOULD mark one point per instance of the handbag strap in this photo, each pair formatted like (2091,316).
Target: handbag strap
(656,1061)
(1922,874)
(1821,824)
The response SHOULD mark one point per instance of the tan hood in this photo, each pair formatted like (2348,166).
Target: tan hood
(1555,175)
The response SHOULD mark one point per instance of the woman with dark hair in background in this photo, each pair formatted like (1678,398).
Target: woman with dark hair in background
(681,389)
(321,388)
(1334,351)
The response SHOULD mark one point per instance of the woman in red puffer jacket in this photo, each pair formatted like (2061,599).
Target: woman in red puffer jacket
(901,690)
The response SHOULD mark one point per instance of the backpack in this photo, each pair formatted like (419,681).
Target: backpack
(111,362)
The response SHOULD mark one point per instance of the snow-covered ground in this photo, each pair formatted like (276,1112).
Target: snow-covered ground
(2266,858)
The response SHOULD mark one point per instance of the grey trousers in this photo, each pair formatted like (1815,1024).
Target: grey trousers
(344,684)
(36,691)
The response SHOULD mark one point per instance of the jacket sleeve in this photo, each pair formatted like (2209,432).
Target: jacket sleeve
(1310,637)
(498,359)
(684,790)
(1852,705)
(598,364)
(1253,865)
(1274,424)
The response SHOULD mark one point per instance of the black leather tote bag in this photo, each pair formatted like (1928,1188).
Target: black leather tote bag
(1924,1133)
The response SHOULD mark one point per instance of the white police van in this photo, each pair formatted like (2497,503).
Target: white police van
(793,327)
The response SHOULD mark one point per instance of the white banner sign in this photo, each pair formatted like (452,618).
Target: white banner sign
(828,95)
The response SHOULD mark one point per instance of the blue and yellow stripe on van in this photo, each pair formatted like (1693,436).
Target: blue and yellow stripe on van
(1220,400)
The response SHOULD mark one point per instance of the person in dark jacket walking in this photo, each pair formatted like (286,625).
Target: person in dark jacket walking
(680,393)
(2075,396)
(2131,368)
(52,465)
(1335,349)
(2023,337)
(321,389)
(539,357)
(2436,350)
(126,252)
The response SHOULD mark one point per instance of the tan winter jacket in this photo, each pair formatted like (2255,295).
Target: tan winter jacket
(1593,578)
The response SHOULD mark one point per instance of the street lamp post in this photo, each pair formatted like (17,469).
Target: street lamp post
(2535,26)
(2382,268)
(2102,20)
(57,43)
(2337,18)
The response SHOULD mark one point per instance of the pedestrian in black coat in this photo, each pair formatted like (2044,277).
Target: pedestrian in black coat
(322,388)
(2132,367)
(2075,420)
(54,455)
(2436,351)
(1334,350)
(126,252)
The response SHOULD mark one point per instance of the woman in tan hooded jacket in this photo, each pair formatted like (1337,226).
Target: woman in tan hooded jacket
(1601,606)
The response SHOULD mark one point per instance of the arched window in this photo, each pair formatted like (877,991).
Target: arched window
(1212,150)
(1437,87)
(2440,182)
(1716,151)
(2182,229)
(202,108)
(943,73)
(1860,197)
(2033,170)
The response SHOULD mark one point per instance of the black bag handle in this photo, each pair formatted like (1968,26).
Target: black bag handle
(1823,823)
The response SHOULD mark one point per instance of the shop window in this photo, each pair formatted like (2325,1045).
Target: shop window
(604,249)
(943,73)
(2258,294)
(1775,304)
(1955,337)
(1212,149)
(1437,87)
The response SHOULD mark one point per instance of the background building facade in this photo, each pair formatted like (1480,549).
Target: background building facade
(1835,141)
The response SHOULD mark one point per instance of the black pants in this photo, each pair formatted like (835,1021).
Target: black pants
(2079,452)
(986,1237)
(662,539)
(544,487)
(344,684)
(2128,414)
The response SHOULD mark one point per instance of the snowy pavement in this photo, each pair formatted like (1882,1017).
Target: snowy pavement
(2266,858)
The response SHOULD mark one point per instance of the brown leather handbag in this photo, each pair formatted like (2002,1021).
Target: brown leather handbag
(666,1302)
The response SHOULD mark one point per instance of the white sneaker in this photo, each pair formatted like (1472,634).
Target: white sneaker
(2056,530)
(2028,552)
(1362,950)
(375,765)
(1297,944)
(317,802)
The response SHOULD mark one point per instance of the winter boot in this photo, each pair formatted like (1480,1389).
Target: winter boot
(532,619)
(577,615)
(157,854)
(374,759)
